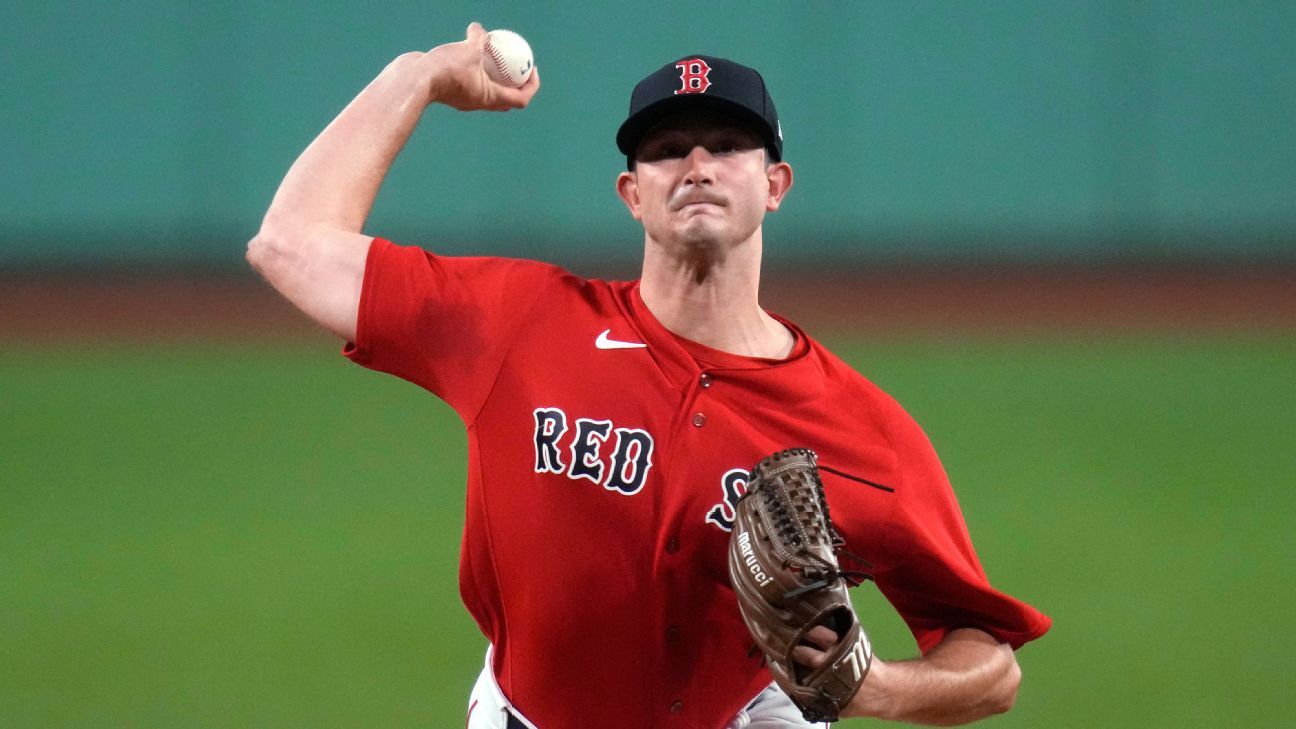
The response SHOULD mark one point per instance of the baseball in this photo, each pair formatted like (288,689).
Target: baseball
(508,58)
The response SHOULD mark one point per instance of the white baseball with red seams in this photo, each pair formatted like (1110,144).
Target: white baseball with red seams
(508,58)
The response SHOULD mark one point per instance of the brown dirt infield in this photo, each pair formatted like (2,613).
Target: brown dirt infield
(894,303)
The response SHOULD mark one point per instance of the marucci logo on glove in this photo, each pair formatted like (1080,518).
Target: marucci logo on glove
(749,558)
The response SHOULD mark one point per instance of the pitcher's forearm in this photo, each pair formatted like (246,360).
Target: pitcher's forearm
(969,676)
(335,180)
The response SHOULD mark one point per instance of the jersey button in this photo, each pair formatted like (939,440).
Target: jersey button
(672,545)
(699,419)
(672,633)
(704,380)
(677,707)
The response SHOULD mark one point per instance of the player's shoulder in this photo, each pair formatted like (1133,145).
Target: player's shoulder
(554,287)
(844,374)
(531,276)
(553,280)
(856,392)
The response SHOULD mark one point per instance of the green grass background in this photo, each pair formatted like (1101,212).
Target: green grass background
(239,536)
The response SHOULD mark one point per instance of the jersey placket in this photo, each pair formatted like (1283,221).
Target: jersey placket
(677,628)
(704,432)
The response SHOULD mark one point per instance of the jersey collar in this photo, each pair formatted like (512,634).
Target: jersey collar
(683,360)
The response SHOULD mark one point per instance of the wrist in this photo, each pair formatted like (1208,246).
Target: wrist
(410,78)
(874,699)
(432,68)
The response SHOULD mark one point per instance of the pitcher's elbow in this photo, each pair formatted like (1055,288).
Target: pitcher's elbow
(1006,696)
(256,251)
(270,246)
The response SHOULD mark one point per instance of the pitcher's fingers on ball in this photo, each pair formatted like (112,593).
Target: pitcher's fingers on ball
(517,98)
(475,34)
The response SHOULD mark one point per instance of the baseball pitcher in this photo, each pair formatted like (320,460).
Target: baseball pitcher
(612,554)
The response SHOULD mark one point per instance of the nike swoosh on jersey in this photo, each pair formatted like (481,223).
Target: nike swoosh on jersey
(605,342)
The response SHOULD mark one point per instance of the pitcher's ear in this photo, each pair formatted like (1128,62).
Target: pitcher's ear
(627,187)
(779,175)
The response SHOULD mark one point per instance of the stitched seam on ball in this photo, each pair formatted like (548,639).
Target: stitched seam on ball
(500,64)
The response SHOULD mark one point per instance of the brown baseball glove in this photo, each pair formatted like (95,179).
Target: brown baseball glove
(783,561)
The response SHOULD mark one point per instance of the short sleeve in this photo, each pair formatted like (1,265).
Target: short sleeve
(932,575)
(444,323)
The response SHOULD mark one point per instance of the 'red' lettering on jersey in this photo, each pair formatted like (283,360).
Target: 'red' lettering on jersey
(693,76)
(601,484)
(626,459)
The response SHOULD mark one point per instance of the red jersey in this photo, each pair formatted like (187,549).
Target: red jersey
(605,458)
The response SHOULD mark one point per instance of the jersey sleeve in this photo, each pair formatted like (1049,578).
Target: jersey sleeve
(444,323)
(931,574)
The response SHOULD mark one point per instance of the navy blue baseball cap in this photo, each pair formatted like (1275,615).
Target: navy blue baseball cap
(701,82)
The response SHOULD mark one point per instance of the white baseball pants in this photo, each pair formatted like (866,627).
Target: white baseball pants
(488,708)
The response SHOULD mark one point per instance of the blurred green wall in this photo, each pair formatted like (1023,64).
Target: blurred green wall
(938,130)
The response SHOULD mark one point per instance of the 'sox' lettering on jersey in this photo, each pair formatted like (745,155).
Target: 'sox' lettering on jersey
(625,473)
(733,484)
(693,76)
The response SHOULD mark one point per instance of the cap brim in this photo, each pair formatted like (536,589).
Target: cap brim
(634,128)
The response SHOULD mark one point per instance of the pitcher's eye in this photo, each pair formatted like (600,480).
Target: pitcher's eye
(662,151)
(729,144)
